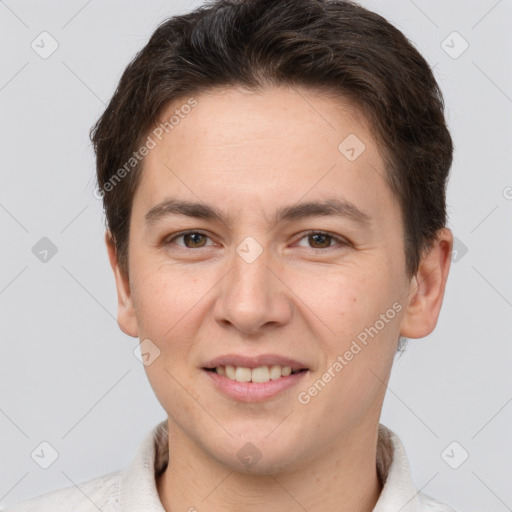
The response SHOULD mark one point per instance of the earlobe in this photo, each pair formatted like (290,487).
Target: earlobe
(126,318)
(427,288)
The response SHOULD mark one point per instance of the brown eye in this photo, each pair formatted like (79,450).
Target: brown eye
(195,239)
(322,240)
(191,240)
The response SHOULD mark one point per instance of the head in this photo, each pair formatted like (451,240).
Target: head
(311,138)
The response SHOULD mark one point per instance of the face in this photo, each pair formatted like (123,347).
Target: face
(258,246)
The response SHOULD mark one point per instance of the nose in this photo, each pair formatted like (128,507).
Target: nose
(253,296)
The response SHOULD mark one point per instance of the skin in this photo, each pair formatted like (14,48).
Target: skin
(304,297)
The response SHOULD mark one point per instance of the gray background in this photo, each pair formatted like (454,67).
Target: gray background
(68,375)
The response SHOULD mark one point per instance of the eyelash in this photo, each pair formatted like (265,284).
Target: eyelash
(335,238)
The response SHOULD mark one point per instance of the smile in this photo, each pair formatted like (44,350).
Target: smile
(254,378)
(259,374)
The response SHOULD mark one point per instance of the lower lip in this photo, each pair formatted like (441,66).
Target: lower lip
(254,391)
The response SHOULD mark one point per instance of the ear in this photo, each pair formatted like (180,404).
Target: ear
(427,288)
(125,312)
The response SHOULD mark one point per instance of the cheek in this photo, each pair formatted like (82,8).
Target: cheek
(168,308)
(165,299)
(342,299)
(357,304)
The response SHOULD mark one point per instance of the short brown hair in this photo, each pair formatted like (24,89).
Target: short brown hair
(329,45)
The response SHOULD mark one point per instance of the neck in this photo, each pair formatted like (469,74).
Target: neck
(344,478)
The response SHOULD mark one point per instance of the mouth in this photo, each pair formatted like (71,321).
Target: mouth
(254,379)
(260,374)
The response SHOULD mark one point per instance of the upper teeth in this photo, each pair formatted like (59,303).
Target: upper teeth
(259,374)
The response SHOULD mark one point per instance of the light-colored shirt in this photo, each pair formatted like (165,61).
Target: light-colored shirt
(134,489)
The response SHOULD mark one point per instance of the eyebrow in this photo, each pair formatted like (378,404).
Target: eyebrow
(328,207)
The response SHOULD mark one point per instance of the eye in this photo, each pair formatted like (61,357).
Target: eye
(322,240)
(198,239)
(191,239)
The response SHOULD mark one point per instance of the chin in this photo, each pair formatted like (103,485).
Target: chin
(264,463)
(258,454)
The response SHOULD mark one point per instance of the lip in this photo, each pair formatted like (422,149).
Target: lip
(255,361)
(253,391)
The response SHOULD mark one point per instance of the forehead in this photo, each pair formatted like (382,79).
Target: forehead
(252,150)
(237,118)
